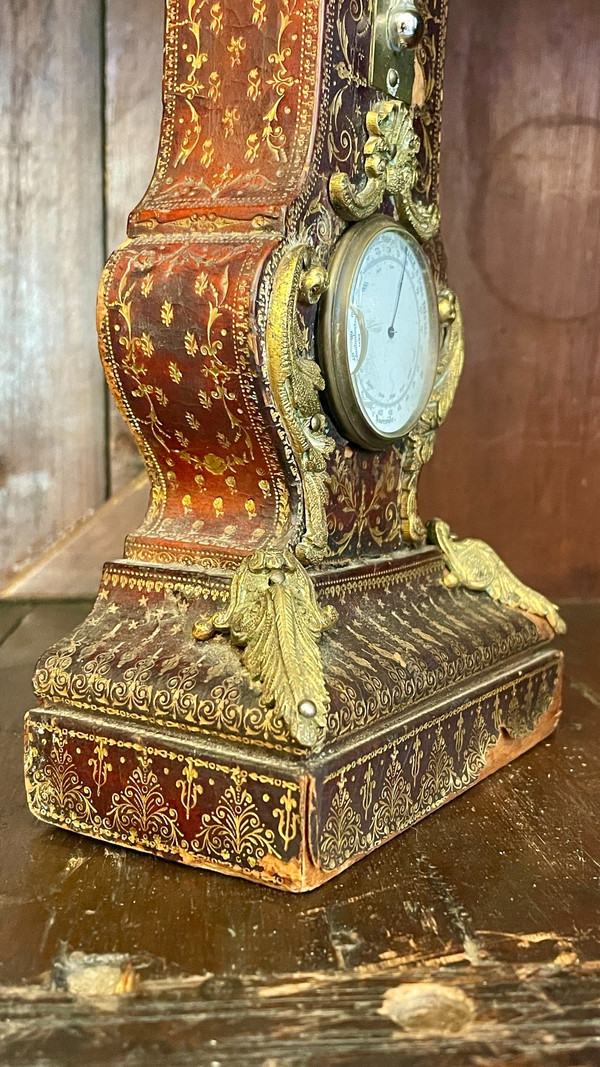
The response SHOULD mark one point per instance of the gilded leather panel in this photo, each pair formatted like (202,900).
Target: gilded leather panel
(240,93)
(135,656)
(177,336)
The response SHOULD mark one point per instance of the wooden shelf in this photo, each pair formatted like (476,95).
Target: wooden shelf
(494,900)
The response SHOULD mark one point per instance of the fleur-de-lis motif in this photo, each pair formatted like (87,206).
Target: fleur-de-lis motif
(101,767)
(216,18)
(289,818)
(459,733)
(189,789)
(416,758)
(367,788)
(236,46)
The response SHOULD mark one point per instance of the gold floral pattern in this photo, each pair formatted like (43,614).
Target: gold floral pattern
(394,808)
(481,738)
(366,506)
(418,772)
(440,778)
(140,812)
(428,111)
(58,787)
(234,832)
(342,836)
(208,48)
(281,81)
(202,812)
(198,811)
(169,376)
(352,21)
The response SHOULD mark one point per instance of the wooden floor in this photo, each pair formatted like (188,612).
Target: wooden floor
(474,939)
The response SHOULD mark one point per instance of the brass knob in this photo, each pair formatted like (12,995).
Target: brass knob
(277,578)
(405,26)
(308,709)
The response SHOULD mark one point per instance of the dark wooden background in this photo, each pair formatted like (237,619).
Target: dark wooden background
(519,460)
(518,463)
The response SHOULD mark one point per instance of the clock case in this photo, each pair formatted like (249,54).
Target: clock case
(282,673)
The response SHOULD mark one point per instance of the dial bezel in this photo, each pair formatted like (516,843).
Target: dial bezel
(332,331)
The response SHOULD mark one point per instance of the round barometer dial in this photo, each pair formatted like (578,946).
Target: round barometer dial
(379,333)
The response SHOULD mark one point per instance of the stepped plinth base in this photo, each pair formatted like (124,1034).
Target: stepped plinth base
(196,771)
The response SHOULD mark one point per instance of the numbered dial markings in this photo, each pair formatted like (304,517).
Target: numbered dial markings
(380,336)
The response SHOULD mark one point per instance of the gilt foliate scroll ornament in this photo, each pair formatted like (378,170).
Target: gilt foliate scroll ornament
(475,565)
(420,442)
(296,381)
(391,166)
(273,613)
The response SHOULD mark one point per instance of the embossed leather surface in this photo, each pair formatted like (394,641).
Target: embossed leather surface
(402,638)
(244,164)
(292,826)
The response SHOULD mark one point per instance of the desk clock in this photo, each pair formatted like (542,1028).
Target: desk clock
(288,667)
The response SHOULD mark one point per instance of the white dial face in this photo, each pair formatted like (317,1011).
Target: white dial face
(392,333)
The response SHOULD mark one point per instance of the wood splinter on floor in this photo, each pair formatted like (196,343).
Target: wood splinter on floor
(94,975)
(428,1007)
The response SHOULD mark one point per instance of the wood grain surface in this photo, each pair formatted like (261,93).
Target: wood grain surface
(471,940)
(52,434)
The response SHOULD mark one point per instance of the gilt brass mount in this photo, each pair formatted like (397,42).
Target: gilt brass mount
(399,28)
(390,166)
